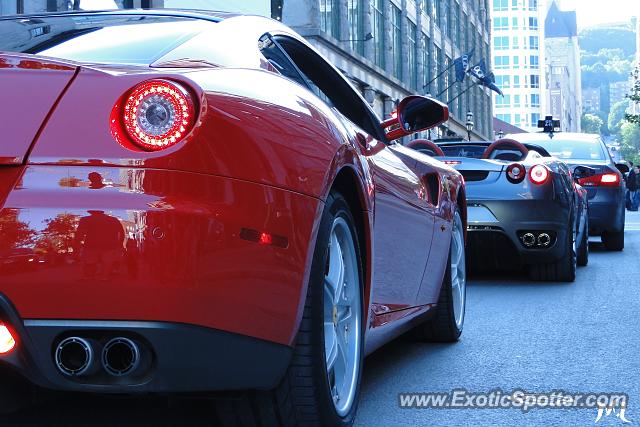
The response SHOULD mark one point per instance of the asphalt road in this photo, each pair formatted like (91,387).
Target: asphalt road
(539,337)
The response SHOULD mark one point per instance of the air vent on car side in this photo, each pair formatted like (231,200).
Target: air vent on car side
(474,175)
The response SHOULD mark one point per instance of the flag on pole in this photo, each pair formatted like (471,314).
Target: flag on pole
(479,71)
(462,65)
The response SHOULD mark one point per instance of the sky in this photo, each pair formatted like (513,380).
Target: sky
(594,12)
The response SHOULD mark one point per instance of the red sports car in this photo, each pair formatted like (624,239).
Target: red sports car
(212,207)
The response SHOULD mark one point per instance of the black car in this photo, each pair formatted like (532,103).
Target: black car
(602,178)
(524,208)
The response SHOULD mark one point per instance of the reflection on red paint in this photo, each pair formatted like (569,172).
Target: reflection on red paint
(265,239)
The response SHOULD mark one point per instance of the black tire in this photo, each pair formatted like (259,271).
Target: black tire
(613,240)
(442,326)
(563,270)
(583,250)
(303,397)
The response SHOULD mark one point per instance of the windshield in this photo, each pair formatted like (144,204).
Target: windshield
(583,149)
(104,39)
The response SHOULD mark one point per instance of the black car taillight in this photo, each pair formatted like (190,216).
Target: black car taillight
(601,180)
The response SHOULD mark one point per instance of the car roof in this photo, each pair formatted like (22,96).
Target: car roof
(537,136)
(210,15)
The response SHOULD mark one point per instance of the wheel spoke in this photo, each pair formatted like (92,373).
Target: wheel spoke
(335,275)
(331,345)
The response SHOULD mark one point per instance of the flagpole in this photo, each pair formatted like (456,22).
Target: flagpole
(439,75)
(463,92)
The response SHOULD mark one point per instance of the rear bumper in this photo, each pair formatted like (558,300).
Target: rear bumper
(607,211)
(133,244)
(179,357)
(496,242)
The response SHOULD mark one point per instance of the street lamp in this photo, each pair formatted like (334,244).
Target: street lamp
(500,134)
(470,124)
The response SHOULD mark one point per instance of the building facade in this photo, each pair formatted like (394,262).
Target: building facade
(393,48)
(518,52)
(388,48)
(562,62)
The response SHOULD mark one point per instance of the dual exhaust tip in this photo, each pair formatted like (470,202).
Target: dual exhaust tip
(542,240)
(76,356)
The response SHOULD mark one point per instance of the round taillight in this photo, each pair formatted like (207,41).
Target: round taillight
(539,174)
(158,114)
(516,173)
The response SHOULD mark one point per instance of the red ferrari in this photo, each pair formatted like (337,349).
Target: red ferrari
(200,202)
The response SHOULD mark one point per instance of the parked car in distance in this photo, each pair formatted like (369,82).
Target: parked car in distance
(524,209)
(603,180)
(219,209)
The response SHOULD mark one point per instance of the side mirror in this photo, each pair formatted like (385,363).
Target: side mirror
(622,167)
(415,113)
(580,172)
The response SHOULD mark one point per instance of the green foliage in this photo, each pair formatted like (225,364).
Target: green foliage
(630,135)
(617,116)
(634,97)
(595,39)
(591,123)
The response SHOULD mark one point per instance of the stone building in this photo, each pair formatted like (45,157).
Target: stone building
(562,59)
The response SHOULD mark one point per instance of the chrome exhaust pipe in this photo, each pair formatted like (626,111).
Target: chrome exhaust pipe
(74,356)
(120,356)
(544,239)
(529,239)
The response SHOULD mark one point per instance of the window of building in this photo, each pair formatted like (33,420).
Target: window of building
(533,23)
(514,4)
(516,44)
(446,80)
(500,5)
(396,40)
(534,119)
(437,13)
(330,17)
(446,18)
(504,117)
(9,7)
(377,25)
(455,24)
(533,5)
(517,119)
(503,82)
(534,81)
(535,100)
(533,42)
(516,82)
(534,61)
(437,83)
(516,62)
(514,23)
(412,54)
(501,43)
(500,24)
(503,101)
(516,100)
(426,63)
(356,27)
(501,62)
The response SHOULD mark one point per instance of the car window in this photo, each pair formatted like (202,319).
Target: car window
(109,39)
(583,149)
(331,86)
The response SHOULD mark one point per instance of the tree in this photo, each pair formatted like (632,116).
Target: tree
(592,123)
(634,97)
(617,115)
(630,133)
